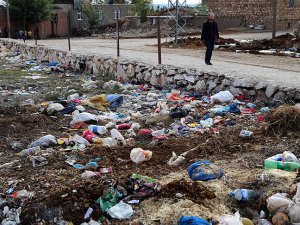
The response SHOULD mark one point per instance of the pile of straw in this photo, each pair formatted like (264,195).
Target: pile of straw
(283,120)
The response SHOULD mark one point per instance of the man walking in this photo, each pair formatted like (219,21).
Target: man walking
(209,35)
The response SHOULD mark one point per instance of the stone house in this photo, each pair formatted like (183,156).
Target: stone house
(258,12)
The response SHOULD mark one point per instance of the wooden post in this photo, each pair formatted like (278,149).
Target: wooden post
(158,40)
(274,18)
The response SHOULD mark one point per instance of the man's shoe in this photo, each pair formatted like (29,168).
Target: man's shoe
(208,63)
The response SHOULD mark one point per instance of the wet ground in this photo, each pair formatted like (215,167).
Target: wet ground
(61,193)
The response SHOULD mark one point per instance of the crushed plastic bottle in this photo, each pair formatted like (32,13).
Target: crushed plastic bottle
(22,194)
(97,129)
(29,151)
(245,133)
(80,140)
(244,195)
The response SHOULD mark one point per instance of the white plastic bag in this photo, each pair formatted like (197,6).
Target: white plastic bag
(120,211)
(294,213)
(54,107)
(117,138)
(222,96)
(287,156)
(83,117)
(231,220)
(279,203)
(138,155)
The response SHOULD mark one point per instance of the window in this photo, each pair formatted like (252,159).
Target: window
(100,14)
(77,4)
(292,3)
(79,15)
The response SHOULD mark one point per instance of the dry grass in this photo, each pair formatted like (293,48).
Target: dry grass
(283,120)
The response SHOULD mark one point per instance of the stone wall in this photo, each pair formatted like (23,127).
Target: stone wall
(257,11)
(161,75)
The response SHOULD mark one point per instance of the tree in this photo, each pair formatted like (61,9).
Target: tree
(141,8)
(90,12)
(30,11)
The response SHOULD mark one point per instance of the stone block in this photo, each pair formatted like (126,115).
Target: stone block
(235,91)
(245,83)
(200,86)
(189,78)
(280,96)
(260,85)
(270,91)
(210,85)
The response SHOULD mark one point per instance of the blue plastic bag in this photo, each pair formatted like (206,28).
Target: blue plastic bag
(114,100)
(192,220)
(233,108)
(204,171)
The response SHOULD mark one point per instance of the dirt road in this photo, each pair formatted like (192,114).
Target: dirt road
(284,71)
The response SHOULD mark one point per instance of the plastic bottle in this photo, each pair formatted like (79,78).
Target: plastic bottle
(80,140)
(97,129)
(29,151)
(244,195)
(263,222)
(22,194)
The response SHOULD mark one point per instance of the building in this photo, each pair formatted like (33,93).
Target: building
(258,12)
(57,25)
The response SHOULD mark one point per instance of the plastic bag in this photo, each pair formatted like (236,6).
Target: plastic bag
(121,75)
(179,113)
(114,100)
(120,211)
(294,213)
(117,138)
(45,141)
(204,171)
(207,123)
(192,220)
(96,102)
(287,156)
(279,203)
(222,96)
(83,117)
(54,107)
(231,220)
(138,155)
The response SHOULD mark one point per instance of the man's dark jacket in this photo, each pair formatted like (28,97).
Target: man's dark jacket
(208,34)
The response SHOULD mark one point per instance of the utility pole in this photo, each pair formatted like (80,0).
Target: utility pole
(8,18)
(274,18)
(117,15)
(177,21)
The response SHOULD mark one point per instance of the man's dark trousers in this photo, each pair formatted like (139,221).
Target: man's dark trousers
(209,48)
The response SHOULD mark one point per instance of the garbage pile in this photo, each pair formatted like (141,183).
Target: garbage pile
(145,155)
